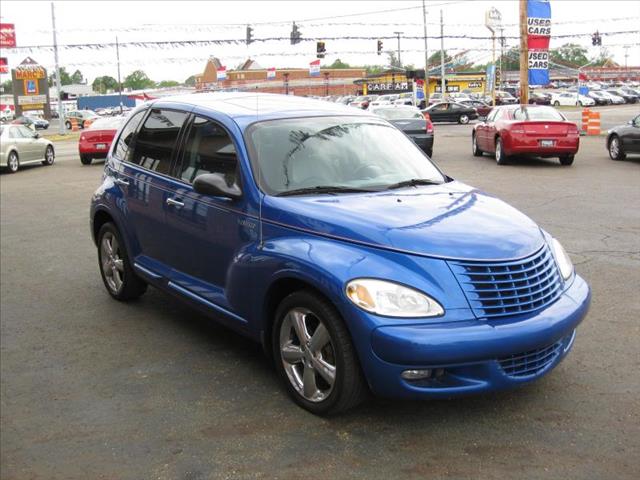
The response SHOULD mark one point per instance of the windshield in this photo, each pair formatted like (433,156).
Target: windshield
(347,152)
(398,113)
(544,113)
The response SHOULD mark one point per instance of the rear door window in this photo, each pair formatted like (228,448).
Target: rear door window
(157,138)
(208,149)
(125,141)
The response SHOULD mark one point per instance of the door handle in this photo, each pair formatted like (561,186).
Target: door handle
(120,181)
(175,203)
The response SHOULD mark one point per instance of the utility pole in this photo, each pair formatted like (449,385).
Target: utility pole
(501,52)
(426,55)
(399,59)
(443,82)
(119,82)
(58,83)
(626,56)
(524,55)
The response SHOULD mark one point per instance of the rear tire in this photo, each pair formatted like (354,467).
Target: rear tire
(474,146)
(303,375)
(615,149)
(85,159)
(67,125)
(567,159)
(556,103)
(501,158)
(116,270)
(463,119)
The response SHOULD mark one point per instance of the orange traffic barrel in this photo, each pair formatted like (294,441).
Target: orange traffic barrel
(593,126)
(74,125)
(585,119)
(87,123)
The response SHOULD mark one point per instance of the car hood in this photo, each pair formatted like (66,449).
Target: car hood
(452,220)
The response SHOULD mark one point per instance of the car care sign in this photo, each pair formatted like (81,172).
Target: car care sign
(538,35)
(314,68)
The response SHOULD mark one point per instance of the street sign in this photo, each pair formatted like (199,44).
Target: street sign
(493,19)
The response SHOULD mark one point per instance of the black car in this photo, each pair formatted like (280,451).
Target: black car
(451,112)
(33,122)
(411,121)
(628,97)
(538,98)
(624,139)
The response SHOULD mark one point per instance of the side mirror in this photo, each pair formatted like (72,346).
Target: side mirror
(36,135)
(216,185)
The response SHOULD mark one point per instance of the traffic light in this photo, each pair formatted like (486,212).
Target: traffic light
(596,39)
(249,34)
(320,49)
(379,47)
(296,35)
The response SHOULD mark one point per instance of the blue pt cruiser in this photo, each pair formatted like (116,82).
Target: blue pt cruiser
(324,233)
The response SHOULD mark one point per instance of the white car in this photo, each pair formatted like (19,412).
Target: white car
(19,145)
(384,100)
(571,99)
(6,115)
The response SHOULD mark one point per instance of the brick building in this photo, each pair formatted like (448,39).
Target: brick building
(294,81)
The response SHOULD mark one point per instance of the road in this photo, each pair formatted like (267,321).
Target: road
(96,389)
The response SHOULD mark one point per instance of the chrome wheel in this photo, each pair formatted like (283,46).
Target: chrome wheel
(49,156)
(614,148)
(111,262)
(464,119)
(13,163)
(307,354)
(498,151)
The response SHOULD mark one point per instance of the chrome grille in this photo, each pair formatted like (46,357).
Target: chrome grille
(532,362)
(509,288)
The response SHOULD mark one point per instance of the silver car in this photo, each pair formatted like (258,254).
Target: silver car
(19,145)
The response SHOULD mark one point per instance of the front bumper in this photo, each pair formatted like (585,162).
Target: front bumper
(473,356)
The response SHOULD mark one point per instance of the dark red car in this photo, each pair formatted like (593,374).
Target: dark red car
(531,130)
(482,108)
(96,140)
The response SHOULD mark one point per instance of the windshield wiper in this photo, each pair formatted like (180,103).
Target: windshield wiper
(414,182)
(323,189)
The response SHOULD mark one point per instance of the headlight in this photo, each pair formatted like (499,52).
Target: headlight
(391,299)
(563,260)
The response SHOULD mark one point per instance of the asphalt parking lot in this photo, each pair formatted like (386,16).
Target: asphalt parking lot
(96,389)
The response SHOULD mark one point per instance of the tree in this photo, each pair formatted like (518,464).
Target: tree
(373,69)
(104,84)
(77,77)
(7,86)
(65,78)
(435,57)
(339,64)
(168,83)
(393,60)
(191,81)
(138,80)
(604,59)
(569,54)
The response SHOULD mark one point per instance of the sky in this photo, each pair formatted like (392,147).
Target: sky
(85,22)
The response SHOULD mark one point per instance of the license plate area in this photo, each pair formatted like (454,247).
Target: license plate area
(101,146)
(547,143)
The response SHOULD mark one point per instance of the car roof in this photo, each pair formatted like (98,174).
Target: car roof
(246,108)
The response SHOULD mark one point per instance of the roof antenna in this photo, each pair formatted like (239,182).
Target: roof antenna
(260,194)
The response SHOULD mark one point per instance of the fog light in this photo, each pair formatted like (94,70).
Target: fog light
(416,374)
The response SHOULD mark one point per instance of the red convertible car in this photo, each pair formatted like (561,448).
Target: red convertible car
(96,140)
(531,130)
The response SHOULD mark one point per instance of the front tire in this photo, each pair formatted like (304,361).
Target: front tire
(13,162)
(556,104)
(314,355)
(67,125)
(501,157)
(463,119)
(49,156)
(116,270)
(474,146)
(566,159)
(615,149)
(85,159)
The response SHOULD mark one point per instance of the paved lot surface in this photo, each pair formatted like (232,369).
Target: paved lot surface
(95,389)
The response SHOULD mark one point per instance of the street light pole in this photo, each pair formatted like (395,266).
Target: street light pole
(426,55)
(58,83)
(119,82)
(443,82)
(399,59)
